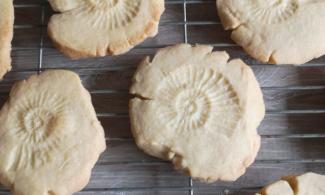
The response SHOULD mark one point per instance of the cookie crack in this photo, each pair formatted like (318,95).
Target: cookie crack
(179,162)
(292,183)
(272,59)
(240,22)
(141,97)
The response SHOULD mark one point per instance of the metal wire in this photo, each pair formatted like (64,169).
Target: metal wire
(185,20)
(185,23)
(40,62)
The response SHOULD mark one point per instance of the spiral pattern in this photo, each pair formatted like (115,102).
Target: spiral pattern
(35,129)
(273,11)
(194,97)
(111,14)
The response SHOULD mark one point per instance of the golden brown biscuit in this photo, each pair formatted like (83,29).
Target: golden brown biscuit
(50,137)
(281,187)
(89,28)
(198,110)
(306,184)
(279,32)
(6,33)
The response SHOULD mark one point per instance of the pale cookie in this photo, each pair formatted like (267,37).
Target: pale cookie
(306,184)
(89,28)
(276,31)
(278,188)
(198,110)
(6,34)
(50,137)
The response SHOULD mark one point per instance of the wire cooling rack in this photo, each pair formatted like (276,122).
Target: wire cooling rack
(293,131)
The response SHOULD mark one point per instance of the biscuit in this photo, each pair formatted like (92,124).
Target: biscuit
(278,32)
(90,28)
(6,34)
(306,184)
(280,187)
(50,137)
(198,110)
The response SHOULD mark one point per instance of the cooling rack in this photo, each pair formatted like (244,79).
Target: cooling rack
(293,131)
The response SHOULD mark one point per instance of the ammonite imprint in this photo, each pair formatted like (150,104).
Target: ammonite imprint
(112,14)
(50,137)
(37,117)
(191,107)
(103,27)
(193,97)
(273,11)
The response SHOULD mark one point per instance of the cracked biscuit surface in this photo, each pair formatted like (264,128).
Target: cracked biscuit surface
(89,28)
(50,137)
(6,34)
(276,31)
(198,110)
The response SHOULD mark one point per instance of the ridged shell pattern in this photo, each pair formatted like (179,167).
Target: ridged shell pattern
(195,97)
(35,131)
(110,14)
(273,11)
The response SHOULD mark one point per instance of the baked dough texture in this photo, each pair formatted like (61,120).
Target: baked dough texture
(50,137)
(198,110)
(281,187)
(6,34)
(274,31)
(90,28)
(306,184)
